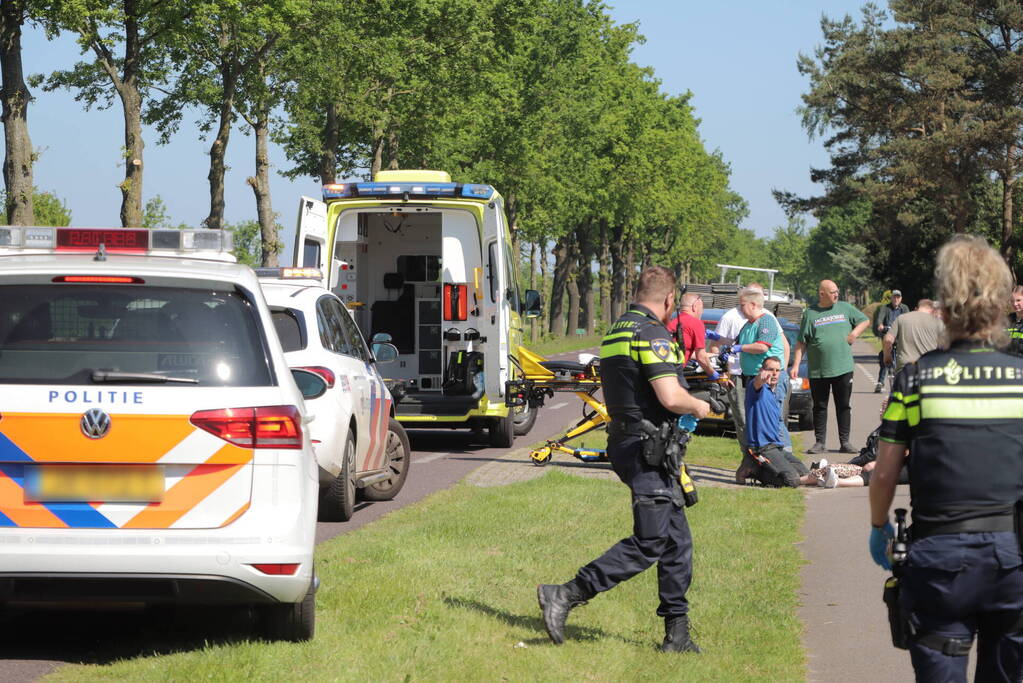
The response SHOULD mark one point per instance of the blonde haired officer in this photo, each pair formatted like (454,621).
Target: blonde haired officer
(641,375)
(960,413)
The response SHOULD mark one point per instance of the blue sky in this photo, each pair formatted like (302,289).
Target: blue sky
(737,58)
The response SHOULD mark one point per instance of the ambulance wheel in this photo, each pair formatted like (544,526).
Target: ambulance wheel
(337,502)
(541,456)
(399,458)
(502,431)
(290,621)
(525,418)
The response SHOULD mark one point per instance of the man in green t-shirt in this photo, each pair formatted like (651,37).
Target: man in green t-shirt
(827,332)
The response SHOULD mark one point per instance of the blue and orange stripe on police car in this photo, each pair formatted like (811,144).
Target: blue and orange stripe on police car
(195,465)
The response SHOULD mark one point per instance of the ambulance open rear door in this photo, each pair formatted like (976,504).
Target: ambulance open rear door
(311,244)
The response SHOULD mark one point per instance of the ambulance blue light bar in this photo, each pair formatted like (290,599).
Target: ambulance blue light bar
(407,190)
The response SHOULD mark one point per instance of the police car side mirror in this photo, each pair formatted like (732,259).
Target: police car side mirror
(309,383)
(381,338)
(532,304)
(384,353)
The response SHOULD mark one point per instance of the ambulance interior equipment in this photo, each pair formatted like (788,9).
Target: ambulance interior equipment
(426,264)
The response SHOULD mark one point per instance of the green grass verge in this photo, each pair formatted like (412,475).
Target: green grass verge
(706,451)
(445,590)
(562,344)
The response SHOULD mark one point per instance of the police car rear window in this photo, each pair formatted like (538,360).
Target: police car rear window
(88,334)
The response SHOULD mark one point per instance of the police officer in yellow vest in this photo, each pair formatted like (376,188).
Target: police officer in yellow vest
(960,414)
(1015,327)
(641,375)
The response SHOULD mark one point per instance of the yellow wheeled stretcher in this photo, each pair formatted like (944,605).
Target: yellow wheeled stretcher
(541,379)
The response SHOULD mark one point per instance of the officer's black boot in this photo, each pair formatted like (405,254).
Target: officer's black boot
(676,636)
(556,601)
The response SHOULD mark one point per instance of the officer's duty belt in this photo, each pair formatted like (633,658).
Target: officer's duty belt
(966,526)
(620,429)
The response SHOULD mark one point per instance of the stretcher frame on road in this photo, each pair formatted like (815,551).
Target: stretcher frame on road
(539,380)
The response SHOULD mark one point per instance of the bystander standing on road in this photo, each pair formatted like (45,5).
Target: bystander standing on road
(959,412)
(884,317)
(1015,329)
(913,335)
(826,333)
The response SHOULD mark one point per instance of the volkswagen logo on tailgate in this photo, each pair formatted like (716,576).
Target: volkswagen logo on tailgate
(95,423)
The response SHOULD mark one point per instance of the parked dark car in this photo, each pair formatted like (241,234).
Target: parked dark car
(800,404)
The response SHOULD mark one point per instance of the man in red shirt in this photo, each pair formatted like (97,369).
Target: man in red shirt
(691,333)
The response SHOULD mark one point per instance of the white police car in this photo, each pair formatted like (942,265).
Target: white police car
(153,441)
(362,450)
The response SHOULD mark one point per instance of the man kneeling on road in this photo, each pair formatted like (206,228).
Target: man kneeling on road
(775,466)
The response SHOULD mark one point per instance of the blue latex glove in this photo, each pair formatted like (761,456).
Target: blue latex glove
(736,348)
(879,545)
(712,335)
(714,376)
(687,422)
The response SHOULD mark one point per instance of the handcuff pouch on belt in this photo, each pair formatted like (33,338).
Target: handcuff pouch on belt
(664,447)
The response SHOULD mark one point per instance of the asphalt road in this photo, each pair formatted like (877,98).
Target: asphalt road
(34,643)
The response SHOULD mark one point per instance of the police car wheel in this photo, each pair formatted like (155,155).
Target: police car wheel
(805,422)
(502,431)
(399,458)
(525,418)
(337,503)
(294,622)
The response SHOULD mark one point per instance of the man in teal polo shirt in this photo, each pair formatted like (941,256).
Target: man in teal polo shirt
(827,332)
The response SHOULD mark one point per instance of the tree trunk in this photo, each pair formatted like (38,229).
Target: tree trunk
(619,283)
(378,153)
(392,150)
(260,183)
(1008,187)
(572,288)
(218,150)
(604,274)
(532,285)
(630,270)
(562,270)
(542,255)
(328,152)
(131,186)
(584,239)
(15,95)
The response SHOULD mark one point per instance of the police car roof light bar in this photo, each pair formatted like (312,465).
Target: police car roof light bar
(201,243)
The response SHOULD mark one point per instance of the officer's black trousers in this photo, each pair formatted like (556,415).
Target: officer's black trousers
(961,585)
(660,533)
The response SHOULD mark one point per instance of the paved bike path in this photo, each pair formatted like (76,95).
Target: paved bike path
(845,623)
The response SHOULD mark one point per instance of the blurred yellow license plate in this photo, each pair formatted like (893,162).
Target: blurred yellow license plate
(94,483)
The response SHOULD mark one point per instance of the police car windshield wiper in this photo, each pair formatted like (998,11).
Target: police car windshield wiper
(100,376)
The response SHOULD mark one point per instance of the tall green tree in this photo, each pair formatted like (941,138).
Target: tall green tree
(14,97)
(127,44)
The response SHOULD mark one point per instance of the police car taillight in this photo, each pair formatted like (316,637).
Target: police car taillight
(262,427)
(325,373)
